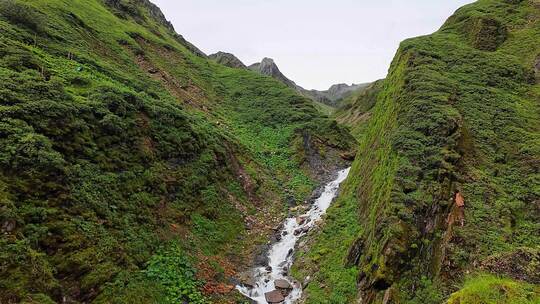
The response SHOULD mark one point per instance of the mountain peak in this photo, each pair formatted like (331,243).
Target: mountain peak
(268,67)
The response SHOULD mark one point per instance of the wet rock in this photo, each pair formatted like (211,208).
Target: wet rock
(291,201)
(250,283)
(247,280)
(261,258)
(355,252)
(315,194)
(274,296)
(282,284)
(300,220)
(269,268)
(301,230)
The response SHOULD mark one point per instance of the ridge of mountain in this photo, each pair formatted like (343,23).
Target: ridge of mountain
(442,201)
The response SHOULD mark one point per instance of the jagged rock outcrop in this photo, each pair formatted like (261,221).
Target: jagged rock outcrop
(227,59)
(268,67)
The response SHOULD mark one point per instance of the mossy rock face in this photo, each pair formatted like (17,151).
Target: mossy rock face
(485,33)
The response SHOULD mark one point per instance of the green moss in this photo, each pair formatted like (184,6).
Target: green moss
(489,289)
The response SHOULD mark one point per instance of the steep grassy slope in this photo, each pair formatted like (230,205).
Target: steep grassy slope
(457,118)
(356,110)
(131,167)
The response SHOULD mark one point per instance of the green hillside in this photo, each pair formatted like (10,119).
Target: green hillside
(457,116)
(356,110)
(133,169)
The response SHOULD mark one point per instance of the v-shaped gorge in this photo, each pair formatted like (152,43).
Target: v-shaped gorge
(135,169)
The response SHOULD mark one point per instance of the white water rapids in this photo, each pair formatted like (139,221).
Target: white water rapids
(280,255)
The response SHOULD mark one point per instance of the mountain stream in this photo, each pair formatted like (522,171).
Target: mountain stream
(272,284)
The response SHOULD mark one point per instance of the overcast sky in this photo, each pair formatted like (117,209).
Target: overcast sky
(315,43)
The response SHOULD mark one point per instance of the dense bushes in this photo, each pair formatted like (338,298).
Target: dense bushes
(172,269)
(22,14)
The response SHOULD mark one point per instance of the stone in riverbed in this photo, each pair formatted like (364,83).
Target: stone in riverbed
(301,219)
(301,230)
(282,284)
(274,296)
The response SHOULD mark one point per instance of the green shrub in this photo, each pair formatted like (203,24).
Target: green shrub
(172,269)
(22,14)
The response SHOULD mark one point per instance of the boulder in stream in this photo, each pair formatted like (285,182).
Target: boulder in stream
(274,296)
(301,230)
(282,284)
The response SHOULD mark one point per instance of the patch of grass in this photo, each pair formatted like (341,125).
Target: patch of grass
(489,289)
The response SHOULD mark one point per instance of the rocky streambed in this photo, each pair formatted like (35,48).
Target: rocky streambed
(272,283)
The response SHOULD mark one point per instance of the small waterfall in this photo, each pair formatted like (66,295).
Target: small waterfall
(270,281)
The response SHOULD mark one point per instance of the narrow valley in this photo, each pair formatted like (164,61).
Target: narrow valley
(135,168)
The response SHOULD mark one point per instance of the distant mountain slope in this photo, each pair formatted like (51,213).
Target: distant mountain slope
(330,97)
(356,110)
(132,168)
(442,202)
